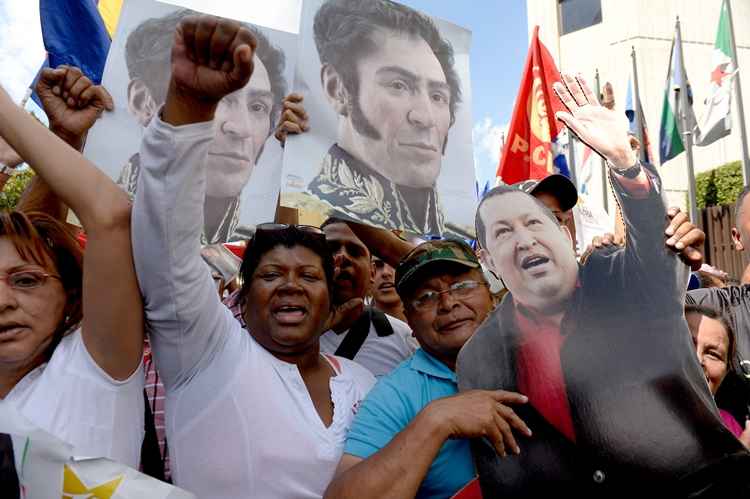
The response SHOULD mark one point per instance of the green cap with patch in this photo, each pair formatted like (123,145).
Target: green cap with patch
(430,253)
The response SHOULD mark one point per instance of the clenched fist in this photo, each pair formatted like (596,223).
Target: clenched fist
(211,58)
(72,102)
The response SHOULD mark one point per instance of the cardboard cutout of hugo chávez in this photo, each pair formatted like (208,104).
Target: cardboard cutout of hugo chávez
(618,404)
(244,170)
(387,90)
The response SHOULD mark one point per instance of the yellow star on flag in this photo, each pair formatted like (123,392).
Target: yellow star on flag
(74,488)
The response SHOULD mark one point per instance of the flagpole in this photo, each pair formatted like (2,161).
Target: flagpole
(572,158)
(638,111)
(605,198)
(738,91)
(687,132)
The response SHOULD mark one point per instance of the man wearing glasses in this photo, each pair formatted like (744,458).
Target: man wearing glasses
(409,436)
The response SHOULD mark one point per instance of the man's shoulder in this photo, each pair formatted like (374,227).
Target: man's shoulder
(399,327)
(398,388)
(397,324)
(727,297)
(361,377)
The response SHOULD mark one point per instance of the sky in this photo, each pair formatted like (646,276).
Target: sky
(499,45)
(498,51)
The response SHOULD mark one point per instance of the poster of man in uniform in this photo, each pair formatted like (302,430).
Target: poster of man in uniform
(388,93)
(617,404)
(244,160)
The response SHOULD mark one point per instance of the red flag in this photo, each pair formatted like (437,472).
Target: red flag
(471,490)
(528,152)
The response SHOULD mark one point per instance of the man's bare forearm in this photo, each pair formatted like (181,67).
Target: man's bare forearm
(382,243)
(395,471)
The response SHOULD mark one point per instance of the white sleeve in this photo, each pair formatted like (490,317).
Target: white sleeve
(185,319)
(402,329)
(363,378)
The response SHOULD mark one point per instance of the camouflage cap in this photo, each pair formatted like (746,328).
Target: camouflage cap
(432,252)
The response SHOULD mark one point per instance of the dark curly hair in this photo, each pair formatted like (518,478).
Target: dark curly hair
(262,243)
(148,50)
(343,32)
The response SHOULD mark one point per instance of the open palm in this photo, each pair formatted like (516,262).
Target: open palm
(602,129)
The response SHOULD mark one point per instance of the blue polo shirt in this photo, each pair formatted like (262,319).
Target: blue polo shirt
(391,405)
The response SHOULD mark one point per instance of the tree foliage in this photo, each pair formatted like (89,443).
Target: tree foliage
(13,189)
(719,186)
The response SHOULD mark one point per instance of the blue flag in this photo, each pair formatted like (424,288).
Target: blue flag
(74,33)
(635,114)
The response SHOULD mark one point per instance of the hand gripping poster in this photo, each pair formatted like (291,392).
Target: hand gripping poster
(618,403)
(245,159)
(388,95)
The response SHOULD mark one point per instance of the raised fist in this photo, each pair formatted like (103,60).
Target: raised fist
(72,102)
(211,58)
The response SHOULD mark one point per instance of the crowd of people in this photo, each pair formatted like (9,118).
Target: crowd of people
(351,362)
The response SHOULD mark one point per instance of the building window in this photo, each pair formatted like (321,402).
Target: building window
(579,14)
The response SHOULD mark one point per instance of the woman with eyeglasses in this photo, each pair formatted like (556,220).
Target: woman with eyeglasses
(256,413)
(71,328)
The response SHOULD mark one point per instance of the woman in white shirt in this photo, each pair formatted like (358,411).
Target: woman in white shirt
(71,329)
(256,413)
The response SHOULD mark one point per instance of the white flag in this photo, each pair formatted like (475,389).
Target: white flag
(46,468)
(716,121)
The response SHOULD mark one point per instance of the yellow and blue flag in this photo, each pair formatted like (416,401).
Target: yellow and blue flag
(74,33)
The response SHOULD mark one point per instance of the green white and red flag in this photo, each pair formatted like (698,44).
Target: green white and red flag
(716,122)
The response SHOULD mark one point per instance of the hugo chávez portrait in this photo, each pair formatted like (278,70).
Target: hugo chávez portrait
(618,404)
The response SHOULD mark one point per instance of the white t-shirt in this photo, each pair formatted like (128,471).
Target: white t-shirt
(240,422)
(379,354)
(72,398)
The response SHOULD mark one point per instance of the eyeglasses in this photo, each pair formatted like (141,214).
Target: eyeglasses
(27,279)
(463,289)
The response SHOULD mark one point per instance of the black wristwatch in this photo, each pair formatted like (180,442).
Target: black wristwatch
(631,172)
